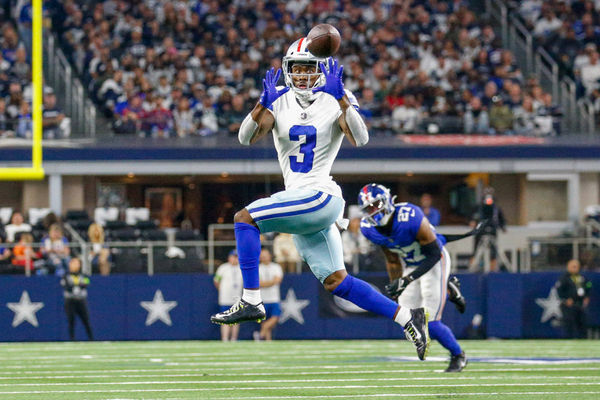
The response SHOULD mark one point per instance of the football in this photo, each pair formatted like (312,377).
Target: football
(323,40)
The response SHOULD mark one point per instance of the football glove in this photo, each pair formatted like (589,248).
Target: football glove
(270,92)
(396,287)
(333,79)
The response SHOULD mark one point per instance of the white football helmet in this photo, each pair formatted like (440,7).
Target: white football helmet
(298,53)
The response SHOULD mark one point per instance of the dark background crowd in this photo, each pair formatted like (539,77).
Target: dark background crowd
(161,68)
(570,31)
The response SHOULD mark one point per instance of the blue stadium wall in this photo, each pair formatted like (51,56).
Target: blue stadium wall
(513,306)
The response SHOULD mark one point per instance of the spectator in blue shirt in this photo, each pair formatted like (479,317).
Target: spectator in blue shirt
(432,213)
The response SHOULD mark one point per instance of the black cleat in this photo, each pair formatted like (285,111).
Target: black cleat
(455,296)
(241,311)
(457,363)
(417,332)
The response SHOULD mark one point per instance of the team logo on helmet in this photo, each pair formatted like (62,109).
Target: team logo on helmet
(376,203)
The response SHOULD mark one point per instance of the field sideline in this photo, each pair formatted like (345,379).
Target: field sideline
(541,369)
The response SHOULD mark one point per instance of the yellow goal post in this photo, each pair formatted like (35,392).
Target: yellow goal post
(35,171)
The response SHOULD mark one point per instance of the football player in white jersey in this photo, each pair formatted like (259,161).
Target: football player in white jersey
(309,118)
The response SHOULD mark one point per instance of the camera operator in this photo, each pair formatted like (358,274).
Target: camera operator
(490,212)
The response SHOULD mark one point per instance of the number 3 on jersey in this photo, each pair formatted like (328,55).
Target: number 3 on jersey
(306,148)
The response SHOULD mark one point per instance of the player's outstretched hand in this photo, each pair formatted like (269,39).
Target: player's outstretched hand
(333,79)
(270,92)
(396,287)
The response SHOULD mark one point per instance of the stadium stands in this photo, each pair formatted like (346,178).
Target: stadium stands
(569,30)
(164,69)
(15,80)
(194,68)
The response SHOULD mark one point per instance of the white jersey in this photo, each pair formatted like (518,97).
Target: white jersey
(267,272)
(230,283)
(308,140)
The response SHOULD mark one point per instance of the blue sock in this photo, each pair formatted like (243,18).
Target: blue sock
(363,295)
(440,332)
(247,238)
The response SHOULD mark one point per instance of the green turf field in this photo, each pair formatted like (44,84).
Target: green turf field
(296,370)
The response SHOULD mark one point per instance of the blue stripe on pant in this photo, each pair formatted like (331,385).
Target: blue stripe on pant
(296,211)
(310,216)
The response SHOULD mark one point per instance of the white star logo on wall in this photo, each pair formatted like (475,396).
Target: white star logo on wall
(158,309)
(25,310)
(291,307)
(551,306)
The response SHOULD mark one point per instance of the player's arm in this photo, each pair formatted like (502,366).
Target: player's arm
(260,121)
(350,120)
(392,264)
(429,248)
(352,123)
(271,282)
(257,124)
(432,252)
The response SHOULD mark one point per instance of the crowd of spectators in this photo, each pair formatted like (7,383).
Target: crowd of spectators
(570,31)
(15,79)
(46,243)
(178,68)
(18,253)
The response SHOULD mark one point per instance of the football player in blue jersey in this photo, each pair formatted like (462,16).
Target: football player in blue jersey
(407,237)
(308,118)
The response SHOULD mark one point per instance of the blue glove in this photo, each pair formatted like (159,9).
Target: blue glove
(270,92)
(333,80)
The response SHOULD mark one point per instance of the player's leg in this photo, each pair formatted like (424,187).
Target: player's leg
(582,323)
(267,327)
(323,253)
(411,296)
(225,329)
(568,321)
(234,332)
(247,236)
(434,292)
(273,311)
(84,315)
(69,309)
(290,211)
(455,295)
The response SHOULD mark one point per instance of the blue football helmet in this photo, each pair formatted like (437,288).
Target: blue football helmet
(376,204)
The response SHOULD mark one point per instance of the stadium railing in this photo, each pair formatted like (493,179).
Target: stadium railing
(70,92)
(151,257)
(578,114)
(547,254)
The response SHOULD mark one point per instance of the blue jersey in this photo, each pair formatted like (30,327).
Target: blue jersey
(403,238)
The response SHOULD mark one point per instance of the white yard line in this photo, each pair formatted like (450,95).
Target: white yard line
(41,365)
(296,388)
(229,381)
(400,395)
(316,370)
(387,395)
(207,355)
(237,387)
